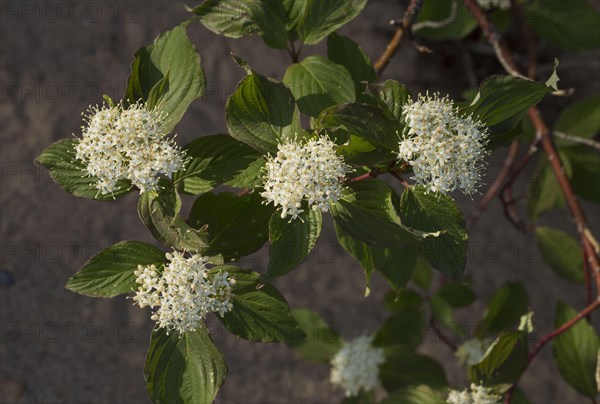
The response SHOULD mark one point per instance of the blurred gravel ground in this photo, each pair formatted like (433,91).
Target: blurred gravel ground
(56,346)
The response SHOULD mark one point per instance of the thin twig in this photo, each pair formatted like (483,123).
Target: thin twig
(496,185)
(397,175)
(544,135)
(506,192)
(576,139)
(407,20)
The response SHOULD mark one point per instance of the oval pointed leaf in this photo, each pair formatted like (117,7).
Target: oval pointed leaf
(217,160)
(160,213)
(237,225)
(402,370)
(395,264)
(562,253)
(505,308)
(321,18)
(111,272)
(70,174)
(576,352)
(318,83)
(183,368)
(502,102)
(553,21)
(321,342)
(367,212)
(504,360)
(172,55)
(291,242)
(344,51)
(261,113)
(390,96)
(260,315)
(231,18)
(431,212)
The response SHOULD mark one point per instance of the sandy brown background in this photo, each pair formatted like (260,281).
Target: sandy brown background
(56,346)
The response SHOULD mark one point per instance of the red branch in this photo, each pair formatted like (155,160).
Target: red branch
(407,20)
(543,135)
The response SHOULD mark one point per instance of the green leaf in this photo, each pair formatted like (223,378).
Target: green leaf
(585,165)
(504,361)
(318,83)
(580,119)
(545,193)
(403,331)
(366,211)
(398,301)
(562,253)
(363,397)
(395,264)
(502,102)
(261,113)
(414,395)
(344,51)
(442,312)
(406,369)
(576,352)
(321,18)
(457,294)
(70,174)
(504,308)
(291,242)
(444,19)
(423,274)
(183,368)
(172,55)
(159,211)
(216,160)
(294,10)
(110,272)
(321,342)
(373,138)
(231,18)
(571,25)
(260,315)
(431,212)
(270,18)
(237,225)
(390,96)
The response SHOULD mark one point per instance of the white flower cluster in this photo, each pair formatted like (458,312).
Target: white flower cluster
(445,150)
(126,143)
(489,4)
(310,171)
(476,395)
(356,366)
(181,295)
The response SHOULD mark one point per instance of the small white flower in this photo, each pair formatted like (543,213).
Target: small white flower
(119,144)
(444,149)
(476,395)
(356,366)
(309,171)
(489,4)
(181,295)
